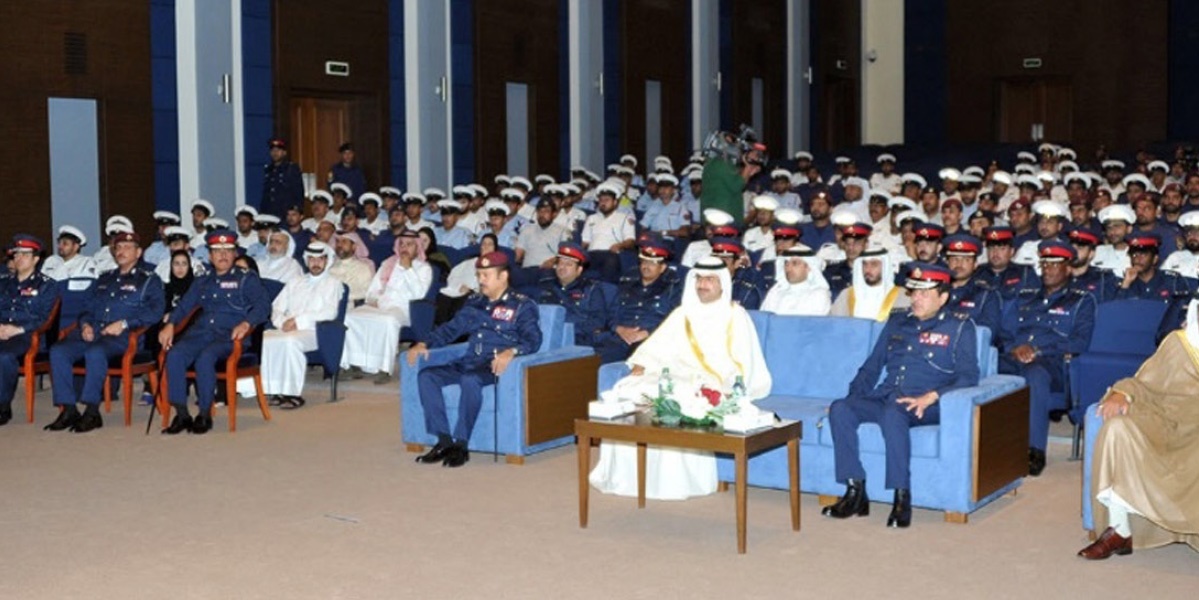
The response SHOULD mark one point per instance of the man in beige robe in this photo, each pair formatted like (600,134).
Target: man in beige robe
(1146,459)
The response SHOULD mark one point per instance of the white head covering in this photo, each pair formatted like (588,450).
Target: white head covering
(1192,326)
(318,248)
(278,267)
(808,297)
(868,299)
(714,313)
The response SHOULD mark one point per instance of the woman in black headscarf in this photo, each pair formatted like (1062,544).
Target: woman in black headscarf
(181,280)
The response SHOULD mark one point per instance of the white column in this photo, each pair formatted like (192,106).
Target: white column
(705,69)
(882,71)
(585,20)
(427,92)
(799,69)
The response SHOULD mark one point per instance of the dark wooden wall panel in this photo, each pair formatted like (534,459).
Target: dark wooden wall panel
(655,46)
(116,73)
(760,51)
(517,41)
(1113,52)
(836,105)
(307,33)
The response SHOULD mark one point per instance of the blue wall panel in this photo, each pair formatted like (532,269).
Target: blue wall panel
(563,91)
(1182,65)
(164,103)
(399,129)
(725,31)
(925,83)
(613,123)
(257,92)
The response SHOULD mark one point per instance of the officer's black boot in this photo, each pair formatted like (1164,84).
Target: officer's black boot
(1036,461)
(456,456)
(901,509)
(437,454)
(67,418)
(5,413)
(853,504)
(181,423)
(202,423)
(90,420)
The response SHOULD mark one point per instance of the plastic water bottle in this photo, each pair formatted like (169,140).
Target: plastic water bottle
(665,384)
(738,389)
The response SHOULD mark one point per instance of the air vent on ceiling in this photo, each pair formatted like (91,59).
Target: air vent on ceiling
(74,45)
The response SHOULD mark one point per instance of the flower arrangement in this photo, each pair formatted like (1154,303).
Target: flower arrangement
(707,407)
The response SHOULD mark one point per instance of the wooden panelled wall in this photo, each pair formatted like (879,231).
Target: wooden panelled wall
(113,68)
(1111,52)
(307,34)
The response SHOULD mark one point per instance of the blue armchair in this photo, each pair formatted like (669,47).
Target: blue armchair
(421,312)
(532,406)
(330,342)
(977,453)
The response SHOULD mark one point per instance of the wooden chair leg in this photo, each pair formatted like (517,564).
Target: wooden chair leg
(29,392)
(107,394)
(262,405)
(231,401)
(164,403)
(127,393)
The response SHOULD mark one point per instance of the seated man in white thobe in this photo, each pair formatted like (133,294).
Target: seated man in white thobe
(305,301)
(799,288)
(873,294)
(707,341)
(353,267)
(373,329)
(280,263)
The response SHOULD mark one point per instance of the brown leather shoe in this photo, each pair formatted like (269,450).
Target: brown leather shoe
(1109,543)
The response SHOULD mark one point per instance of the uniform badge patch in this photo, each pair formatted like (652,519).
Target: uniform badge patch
(932,338)
(228,285)
(29,292)
(1058,311)
(503,313)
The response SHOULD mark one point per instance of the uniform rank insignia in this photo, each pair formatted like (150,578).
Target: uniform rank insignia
(228,285)
(29,291)
(1058,311)
(129,287)
(932,338)
(502,313)
(967,304)
(1011,281)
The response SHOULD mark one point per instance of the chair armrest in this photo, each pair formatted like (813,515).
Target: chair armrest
(134,336)
(1090,431)
(63,333)
(609,374)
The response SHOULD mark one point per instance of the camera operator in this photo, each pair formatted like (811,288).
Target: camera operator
(735,160)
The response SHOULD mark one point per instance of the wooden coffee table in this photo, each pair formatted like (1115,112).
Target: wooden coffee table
(639,429)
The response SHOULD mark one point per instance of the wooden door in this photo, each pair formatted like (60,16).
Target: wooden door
(318,127)
(837,77)
(759,76)
(1034,109)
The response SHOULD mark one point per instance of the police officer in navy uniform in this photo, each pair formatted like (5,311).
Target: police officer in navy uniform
(643,300)
(926,352)
(966,296)
(748,289)
(583,298)
(26,298)
(839,275)
(999,274)
(124,299)
(282,185)
(1102,283)
(1049,323)
(502,325)
(1143,279)
(232,303)
(348,172)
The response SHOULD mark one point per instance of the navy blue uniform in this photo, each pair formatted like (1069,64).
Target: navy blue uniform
(1164,286)
(136,298)
(641,306)
(351,176)
(1009,281)
(748,289)
(585,306)
(839,276)
(1054,325)
(27,305)
(282,187)
(1101,283)
(815,237)
(494,326)
(976,302)
(225,301)
(938,354)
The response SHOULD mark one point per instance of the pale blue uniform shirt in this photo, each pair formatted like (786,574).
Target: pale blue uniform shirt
(666,217)
(457,238)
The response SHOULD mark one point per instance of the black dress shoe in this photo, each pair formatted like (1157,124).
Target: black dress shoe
(182,422)
(901,510)
(5,414)
(456,457)
(436,455)
(67,418)
(1036,461)
(89,421)
(854,503)
(201,424)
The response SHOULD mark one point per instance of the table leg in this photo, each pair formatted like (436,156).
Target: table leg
(740,458)
(640,475)
(584,445)
(793,473)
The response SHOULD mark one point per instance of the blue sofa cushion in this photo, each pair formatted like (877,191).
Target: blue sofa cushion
(816,356)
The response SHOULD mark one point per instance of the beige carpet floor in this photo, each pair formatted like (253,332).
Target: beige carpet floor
(323,502)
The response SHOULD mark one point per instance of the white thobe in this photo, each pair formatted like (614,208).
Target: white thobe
(373,331)
(79,266)
(674,474)
(356,273)
(309,300)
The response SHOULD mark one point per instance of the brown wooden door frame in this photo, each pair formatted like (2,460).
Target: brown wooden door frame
(366,128)
(1023,101)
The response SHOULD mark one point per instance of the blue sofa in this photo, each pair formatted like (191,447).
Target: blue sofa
(529,419)
(978,452)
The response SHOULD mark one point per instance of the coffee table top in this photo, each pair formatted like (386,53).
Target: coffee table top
(639,427)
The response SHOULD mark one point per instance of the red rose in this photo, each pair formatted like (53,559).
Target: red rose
(712,395)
